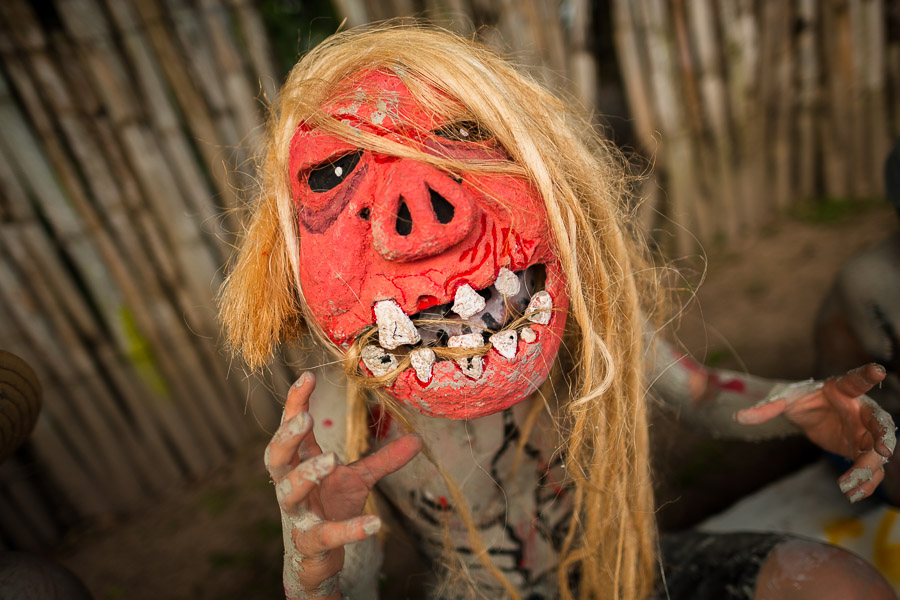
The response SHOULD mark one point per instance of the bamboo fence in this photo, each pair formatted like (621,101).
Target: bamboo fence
(124,135)
(751,106)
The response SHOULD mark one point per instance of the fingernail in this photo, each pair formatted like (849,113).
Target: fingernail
(371,524)
(857,496)
(299,424)
(316,469)
(879,368)
(303,379)
(857,476)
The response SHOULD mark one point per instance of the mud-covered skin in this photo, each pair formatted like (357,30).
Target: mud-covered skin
(354,252)
(835,414)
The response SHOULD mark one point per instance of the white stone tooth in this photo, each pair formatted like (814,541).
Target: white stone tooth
(377,360)
(394,327)
(467,302)
(471,366)
(505,342)
(528,335)
(507,282)
(539,308)
(422,360)
(466,340)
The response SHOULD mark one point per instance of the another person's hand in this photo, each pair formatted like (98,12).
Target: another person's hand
(838,417)
(321,500)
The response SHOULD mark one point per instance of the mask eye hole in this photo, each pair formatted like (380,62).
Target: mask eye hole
(328,176)
(463,131)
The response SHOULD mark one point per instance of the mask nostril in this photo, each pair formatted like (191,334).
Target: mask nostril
(404,220)
(443,210)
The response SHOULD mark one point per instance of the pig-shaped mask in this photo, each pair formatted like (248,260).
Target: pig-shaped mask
(445,285)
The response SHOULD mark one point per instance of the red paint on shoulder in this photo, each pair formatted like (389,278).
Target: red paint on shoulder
(733,385)
(327,423)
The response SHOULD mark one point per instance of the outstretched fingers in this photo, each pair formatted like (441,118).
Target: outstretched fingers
(863,477)
(329,535)
(860,380)
(387,459)
(762,412)
(880,426)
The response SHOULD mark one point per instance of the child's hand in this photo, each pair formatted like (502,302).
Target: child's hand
(838,417)
(321,500)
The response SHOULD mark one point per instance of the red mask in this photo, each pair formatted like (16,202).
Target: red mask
(395,242)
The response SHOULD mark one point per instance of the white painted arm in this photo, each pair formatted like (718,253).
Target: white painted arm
(709,398)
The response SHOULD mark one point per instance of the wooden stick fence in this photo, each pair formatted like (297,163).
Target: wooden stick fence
(124,133)
(751,106)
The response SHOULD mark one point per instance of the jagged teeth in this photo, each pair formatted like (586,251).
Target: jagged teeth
(528,335)
(471,366)
(394,327)
(505,342)
(378,361)
(422,360)
(466,340)
(467,302)
(539,308)
(507,282)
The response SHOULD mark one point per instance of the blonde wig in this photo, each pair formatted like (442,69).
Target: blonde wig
(612,537)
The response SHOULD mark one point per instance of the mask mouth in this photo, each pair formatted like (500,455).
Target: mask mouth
(438,324)
(463,331)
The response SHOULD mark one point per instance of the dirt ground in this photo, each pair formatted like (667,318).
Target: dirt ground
(220,539)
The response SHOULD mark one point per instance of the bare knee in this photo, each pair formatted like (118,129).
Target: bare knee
(800,569)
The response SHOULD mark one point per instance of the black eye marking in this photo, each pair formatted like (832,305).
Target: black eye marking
(364,214)
(463,131)
(329,175)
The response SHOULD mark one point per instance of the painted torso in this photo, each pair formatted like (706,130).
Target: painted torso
(521,516)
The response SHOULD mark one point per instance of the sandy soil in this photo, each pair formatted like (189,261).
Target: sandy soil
(220,539)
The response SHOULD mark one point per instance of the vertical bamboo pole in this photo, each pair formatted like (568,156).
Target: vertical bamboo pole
(742,59)
(715,112)
(669,110)
(259,49)
(808,155)
(779,98)
(635,71)
(582,64)
(839,123)
(353,12)
(873,89)
(892,67)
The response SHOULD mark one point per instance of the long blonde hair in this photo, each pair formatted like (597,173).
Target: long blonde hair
(611,540)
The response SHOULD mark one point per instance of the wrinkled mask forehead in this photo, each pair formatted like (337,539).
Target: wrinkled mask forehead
(379,101)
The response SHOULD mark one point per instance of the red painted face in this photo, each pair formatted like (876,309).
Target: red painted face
(432,260)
